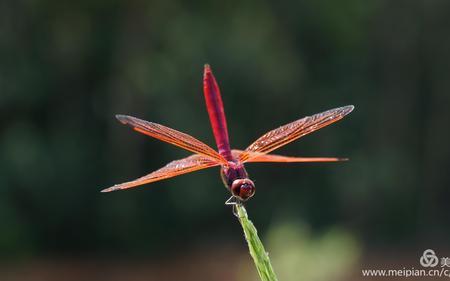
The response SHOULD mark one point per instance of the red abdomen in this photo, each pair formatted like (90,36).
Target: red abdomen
(216,113)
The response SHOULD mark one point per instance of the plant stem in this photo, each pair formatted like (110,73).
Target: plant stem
(257,251)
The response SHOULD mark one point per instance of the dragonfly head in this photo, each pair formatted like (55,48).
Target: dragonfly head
(243,189)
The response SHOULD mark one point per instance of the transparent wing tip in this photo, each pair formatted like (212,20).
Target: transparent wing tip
(122,118)
(112,188)
(348,108)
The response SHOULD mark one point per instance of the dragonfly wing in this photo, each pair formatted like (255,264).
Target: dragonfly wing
(171,136)
(261,157)
(178,167)
(292,131)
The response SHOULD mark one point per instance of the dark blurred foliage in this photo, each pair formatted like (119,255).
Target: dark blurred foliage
(68,66)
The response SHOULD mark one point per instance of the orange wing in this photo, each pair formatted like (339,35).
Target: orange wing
(292,131)
(171,136)
(261,157)
(178,167)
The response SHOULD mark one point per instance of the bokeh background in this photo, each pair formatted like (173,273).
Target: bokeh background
(66,67)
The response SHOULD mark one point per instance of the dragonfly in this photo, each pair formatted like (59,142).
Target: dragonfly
(231,162)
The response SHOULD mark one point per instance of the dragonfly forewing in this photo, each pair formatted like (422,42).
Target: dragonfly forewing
(178,167)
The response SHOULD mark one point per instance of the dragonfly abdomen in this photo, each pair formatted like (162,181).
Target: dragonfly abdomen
(216,113)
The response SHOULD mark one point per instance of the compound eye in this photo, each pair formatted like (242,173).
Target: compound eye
(243,189)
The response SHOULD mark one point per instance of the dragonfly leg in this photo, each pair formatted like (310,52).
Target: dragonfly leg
(234,201)
(235,211)
(231,201)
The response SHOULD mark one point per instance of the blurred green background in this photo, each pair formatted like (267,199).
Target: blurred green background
(66,67)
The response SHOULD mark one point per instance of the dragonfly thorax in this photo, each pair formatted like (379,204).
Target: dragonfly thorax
(236,179)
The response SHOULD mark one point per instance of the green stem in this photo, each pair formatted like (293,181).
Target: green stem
(259,255)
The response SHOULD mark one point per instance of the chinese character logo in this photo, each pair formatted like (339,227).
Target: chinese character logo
(445,262)
(429,258)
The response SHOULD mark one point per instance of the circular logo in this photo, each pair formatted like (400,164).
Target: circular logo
(429,258)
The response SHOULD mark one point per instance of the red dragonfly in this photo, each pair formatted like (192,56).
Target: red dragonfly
(231,162)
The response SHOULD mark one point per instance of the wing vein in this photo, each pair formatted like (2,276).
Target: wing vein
(292,131)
